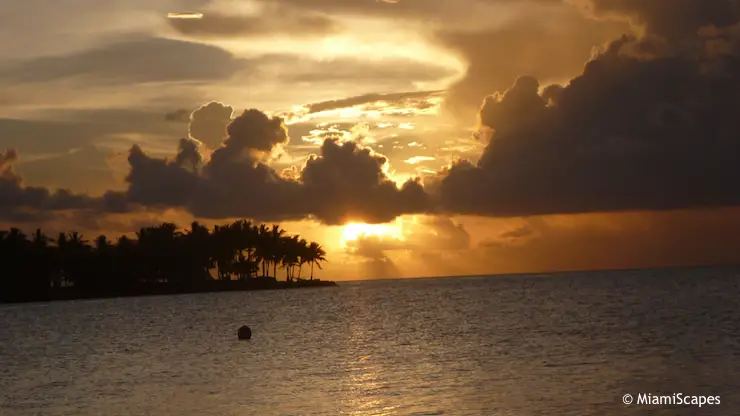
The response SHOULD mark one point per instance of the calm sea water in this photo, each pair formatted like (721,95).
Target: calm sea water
(569,344)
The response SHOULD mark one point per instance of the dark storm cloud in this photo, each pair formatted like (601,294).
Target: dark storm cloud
(189,155)
(7,159)
(25,203)
(158,182)
(344,182)
(552,46)
(252,130)
(275,20)
(137,60)
(638,130)
(348,182)
(670,19)
(650,124)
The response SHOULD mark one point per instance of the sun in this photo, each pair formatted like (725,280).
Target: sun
(355,230)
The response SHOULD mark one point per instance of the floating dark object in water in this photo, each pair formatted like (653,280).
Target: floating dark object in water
(245,332)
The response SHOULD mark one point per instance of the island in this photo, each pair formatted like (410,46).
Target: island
(156,260)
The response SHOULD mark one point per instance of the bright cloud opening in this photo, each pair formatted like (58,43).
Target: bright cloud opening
(356,230)
(187,15)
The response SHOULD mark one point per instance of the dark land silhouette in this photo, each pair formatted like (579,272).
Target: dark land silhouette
(158,260)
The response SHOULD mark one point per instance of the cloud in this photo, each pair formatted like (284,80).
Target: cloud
(137,60)
(426,240)
(184,15)
(614,240)
(669,19)
(71,148)
(387,71)
(344,182)
(348,182)
(429,12)
(189,155)
(551,42)
(208,123)
(318,78)
(86,168)
(253,130)
(178,115)
(649,125)
(377,264)
(644,127)
(158,182)
(33,135)
(7,159)
(418,98)
(24,203)
(272,21)
(35,27)
(441,233)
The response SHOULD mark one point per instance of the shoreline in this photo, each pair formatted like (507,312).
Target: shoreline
(163,289)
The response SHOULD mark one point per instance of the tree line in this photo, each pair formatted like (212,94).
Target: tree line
(159,255)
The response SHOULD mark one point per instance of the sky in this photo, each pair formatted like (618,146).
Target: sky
(410,137)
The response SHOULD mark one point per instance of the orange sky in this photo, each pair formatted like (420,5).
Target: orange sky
(562,177)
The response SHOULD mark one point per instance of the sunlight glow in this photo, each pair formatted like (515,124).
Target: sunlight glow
(419,159)
(362,38)
(430,106)
(187,15)
(356,230)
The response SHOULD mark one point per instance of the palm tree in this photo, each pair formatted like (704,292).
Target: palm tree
(159,256)
(274,246)
(315,254)
(16,237)
(224,250)
(41,261)
(128,266)
(62,240)
(289,253)
(200,250)
(302,247)
(14,252)
(77,249)
(39,239)
(102,244)
(76,240)
(244,240)
(262,247)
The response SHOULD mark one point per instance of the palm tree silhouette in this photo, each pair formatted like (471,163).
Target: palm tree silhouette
(262,248)
(275,247)
(40,262)
(159,259)
(315,254)
(39,239)
(302,249)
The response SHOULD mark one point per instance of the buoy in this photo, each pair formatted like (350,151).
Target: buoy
(244,332)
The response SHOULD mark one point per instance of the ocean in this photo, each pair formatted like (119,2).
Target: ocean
(559,344)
